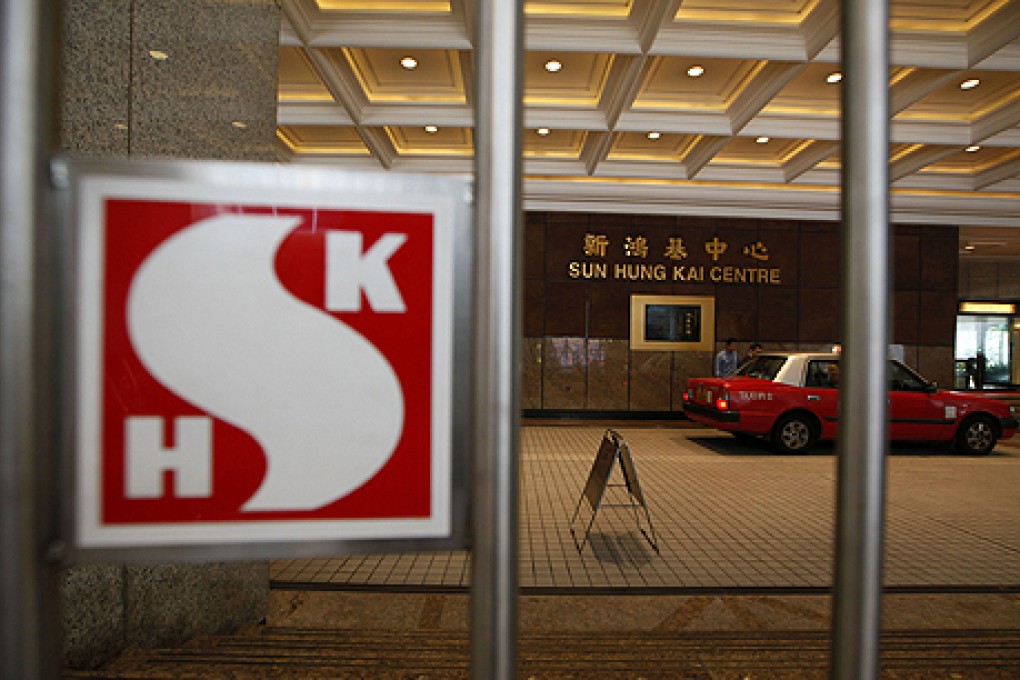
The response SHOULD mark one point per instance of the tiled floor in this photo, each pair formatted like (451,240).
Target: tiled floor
(727,514)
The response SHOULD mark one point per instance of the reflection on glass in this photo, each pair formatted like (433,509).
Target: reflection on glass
(673,323)
(566,352)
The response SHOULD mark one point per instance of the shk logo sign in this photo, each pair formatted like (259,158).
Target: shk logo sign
(261,366)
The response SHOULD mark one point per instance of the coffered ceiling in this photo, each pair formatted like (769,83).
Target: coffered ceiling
(755,134)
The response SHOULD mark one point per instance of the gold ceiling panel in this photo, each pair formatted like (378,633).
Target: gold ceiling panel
(949,102)
(766,64)
(579,83)
(322,139)
(445,141)
(809,92)
(579,8)
(748,151)
(416,6)
(438,77)
(667,85)
(941,15)
(973,162)
(298,80)
(566,144)
(772,11)
(636,146)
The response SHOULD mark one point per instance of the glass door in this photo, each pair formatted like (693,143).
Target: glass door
(983,356)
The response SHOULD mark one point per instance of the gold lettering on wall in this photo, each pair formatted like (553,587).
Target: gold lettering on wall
(673,249)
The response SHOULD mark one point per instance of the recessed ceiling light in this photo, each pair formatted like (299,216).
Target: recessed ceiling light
(542,131)
(553,65)
(654,135)
(409,63)
(969,247)
(120,126)
(239,124)
(159,55)
(763,140)
(695,71)
(972,148)
(970,84)
(431,129)
(834,77)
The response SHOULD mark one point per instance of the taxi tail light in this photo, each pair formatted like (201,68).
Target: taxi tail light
(722,402)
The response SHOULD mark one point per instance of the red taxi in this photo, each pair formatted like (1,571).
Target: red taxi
(792,400)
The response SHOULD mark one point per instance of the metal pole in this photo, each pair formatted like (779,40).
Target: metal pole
(865,327)
(499,93)
(29,623)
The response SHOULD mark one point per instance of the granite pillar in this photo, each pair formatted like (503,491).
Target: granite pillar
(192,79)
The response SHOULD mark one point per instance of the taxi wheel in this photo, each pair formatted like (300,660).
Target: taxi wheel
(976,436)
(794,433)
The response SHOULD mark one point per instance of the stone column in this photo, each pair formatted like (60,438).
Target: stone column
(213,96)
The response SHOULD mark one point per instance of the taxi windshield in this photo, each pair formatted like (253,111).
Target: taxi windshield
(764,367)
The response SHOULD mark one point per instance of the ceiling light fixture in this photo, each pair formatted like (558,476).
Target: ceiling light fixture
(654,135)
(159,55)
(972,148)
(969,247)
(695,71)
(763,140)
(553,65)
(239,124)
(542,131)
(970,84)
(834,77)
(120,126)
(431,129)
(409,63)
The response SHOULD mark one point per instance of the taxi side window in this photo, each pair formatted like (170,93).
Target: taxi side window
(902,380)
(823,374)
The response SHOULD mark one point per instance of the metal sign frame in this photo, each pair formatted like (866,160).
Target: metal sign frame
(612,448)
(269,186)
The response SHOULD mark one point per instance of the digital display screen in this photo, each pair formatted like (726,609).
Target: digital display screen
(673,323)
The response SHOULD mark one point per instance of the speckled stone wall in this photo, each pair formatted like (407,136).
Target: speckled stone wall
(577,354)
(213,97)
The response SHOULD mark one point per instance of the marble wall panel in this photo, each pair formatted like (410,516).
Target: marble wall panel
(608,374)
(906,260)
(736,313)
(940,257)
(566,308)
(534,245)
(984,281)
(819,315)
(937,325)
(687,365)
(936,363)
(1009,281)
(650,381)
(777,313)
(819,258)
(564,374)
(531,373)
(906,316)
(534,308)
(609,313)
(564,243)
(782,238)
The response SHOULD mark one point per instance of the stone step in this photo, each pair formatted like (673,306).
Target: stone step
(283,653)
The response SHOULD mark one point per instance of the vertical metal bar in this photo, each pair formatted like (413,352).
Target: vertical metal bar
(865,328)
(498,57)
(28,607)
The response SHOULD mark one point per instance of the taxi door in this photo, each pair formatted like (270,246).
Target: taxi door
(916,412)
(821,393)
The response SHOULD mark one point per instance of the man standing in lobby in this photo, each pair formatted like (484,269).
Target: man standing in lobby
(727,360)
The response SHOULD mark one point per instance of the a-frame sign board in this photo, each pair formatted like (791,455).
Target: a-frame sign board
(612,448)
